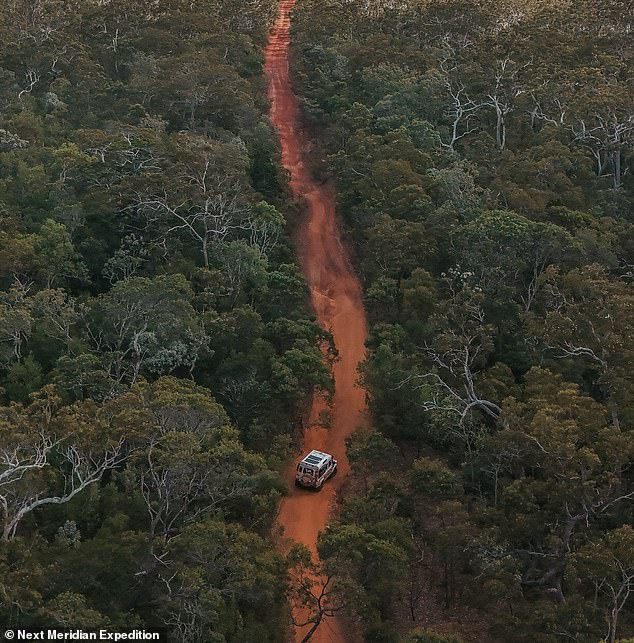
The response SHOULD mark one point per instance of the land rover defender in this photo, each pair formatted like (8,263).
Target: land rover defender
(314,469)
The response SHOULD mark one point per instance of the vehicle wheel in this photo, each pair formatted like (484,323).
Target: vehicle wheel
(334,472)
(297,484)
(319,488)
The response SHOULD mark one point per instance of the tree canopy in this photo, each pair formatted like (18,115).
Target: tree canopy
(483,154)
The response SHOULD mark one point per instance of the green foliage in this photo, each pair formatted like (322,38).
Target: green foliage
(491,218)
(70,610)
(434,479)
(156,342)
(220,567)
(56,254)
(23,378)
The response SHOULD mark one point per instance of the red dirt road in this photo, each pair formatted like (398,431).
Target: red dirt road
(336,298)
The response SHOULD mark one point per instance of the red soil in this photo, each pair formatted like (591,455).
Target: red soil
(337,301)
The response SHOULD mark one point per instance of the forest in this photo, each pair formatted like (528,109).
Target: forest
(156,342)
(483,155)
(158,350)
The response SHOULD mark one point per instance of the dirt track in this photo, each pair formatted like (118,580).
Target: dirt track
(336,298)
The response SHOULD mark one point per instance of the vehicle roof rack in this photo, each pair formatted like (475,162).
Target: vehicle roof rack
(315,457)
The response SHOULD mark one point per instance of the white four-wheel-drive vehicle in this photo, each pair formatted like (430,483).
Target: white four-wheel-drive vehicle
(315,469)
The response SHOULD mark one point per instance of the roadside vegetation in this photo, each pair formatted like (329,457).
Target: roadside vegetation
(156,344)
(484,159)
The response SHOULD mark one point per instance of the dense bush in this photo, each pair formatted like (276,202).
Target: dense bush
(156,346)
(484,159)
